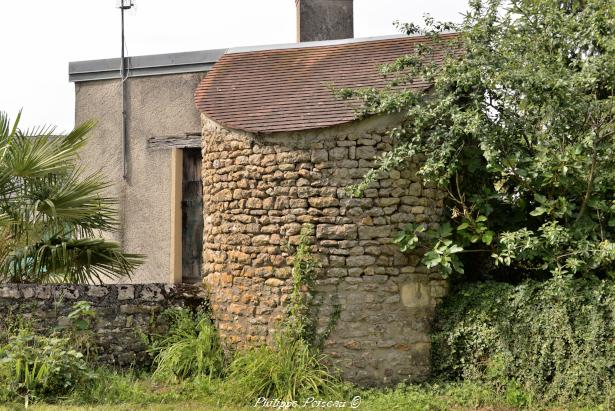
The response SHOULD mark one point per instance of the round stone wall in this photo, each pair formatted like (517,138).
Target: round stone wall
(258,191)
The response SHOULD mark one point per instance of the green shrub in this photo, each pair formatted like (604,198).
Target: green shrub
(80,332)
(39,367)
(528,178)
(554,340)
(291,370)
(190,348)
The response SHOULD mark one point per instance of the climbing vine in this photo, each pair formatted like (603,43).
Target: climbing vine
(305,303)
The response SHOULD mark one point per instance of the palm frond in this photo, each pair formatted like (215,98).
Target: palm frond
(74,201)
(29,157)
(5,220)
(6,130)
(78,136)
(51,214)
(45,130)
(61,260)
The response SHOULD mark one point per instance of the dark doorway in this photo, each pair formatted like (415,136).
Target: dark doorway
(192,216)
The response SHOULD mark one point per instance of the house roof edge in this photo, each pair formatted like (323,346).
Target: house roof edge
(149,65)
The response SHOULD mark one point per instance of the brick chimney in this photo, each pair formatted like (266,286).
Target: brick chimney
(324,20)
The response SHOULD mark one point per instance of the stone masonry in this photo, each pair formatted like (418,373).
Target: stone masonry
(122,312)
(260,190)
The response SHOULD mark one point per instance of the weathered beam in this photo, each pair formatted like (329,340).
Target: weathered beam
(188,140)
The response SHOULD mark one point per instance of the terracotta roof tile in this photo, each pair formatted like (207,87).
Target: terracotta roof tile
(288,89)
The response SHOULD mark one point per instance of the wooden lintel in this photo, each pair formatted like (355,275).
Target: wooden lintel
(188,140)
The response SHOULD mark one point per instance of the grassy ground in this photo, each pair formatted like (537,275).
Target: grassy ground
(180,406)
(119,393)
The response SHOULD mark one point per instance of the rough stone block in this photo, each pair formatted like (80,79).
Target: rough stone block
(369,232)
(319,156)
(366,152)
(151,293)
(125,292)
(9,292)
(338,153)
(416,294)
(274,282)
(336,232)
(94,291)
(360,261)
(323,202)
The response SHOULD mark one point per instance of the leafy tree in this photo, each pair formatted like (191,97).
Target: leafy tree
(518,126)
(51,218)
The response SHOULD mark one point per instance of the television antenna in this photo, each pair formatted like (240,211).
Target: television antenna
(124,5)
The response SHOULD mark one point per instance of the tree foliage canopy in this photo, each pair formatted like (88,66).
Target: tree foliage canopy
(51,217)
(519,128)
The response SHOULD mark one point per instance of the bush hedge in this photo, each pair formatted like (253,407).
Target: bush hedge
(38,367)
(555,339)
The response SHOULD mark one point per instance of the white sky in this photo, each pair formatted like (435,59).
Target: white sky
(40,37)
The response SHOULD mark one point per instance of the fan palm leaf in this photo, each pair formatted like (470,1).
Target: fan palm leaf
(75,201)
(60,260)
(52,217)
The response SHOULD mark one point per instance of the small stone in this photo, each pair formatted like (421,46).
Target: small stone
(125,292)
(415,294)
(28,292)
(63,322)
(360,261)
(336,232)
(97,291)
(369,232)
(254,203)
(151,293)
(356,271)
(260,239)
(337,272)
(298,203)
(236,308)
(415,189)
(386,202)
(366,152)
(323,202)
(224,195)
(319,156)
(274,282)
(9,292)
(338,153)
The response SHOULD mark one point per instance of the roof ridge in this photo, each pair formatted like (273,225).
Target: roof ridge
(324,43)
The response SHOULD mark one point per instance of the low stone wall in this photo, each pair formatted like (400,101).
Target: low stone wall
(122,311)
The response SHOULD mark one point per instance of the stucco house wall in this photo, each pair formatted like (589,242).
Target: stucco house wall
(157,106)
(258,192)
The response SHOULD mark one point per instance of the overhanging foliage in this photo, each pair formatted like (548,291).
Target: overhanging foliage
(519,128)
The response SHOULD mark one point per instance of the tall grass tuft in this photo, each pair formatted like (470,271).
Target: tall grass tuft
(190,348)
(291,370)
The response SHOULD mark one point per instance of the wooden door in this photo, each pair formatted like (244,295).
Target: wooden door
(192,216)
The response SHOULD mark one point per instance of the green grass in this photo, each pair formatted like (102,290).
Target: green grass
(184,406)
(118,392)
(289,372)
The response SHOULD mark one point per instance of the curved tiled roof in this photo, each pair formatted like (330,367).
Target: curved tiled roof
(289,89)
